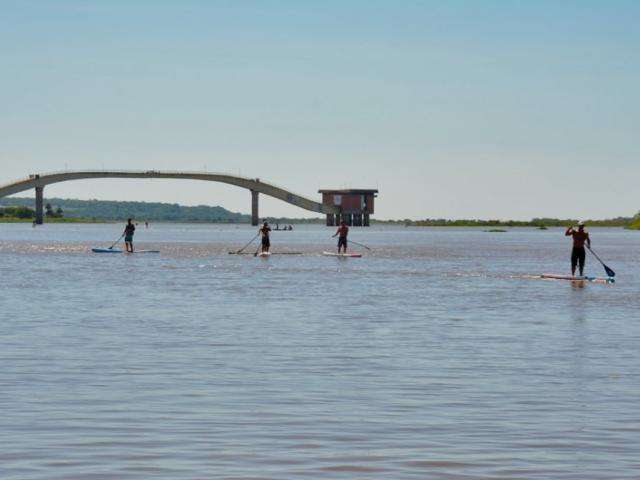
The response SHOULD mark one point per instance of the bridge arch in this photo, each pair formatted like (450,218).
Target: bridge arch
(255,186)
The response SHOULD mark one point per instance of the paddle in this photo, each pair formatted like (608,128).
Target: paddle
(240,251)
(360,244)
(610,272)
(114,243)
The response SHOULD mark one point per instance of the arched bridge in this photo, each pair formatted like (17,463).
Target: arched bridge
(255,185)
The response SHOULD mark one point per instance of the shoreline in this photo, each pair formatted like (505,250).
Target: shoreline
(446,224)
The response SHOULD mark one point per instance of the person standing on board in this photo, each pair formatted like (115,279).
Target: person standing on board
(578,253)
(129,230)
(264,231)
(342,233)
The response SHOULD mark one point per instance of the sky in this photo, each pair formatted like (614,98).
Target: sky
(453,109)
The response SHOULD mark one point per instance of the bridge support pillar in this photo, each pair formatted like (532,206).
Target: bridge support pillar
(39,205)
(255,218)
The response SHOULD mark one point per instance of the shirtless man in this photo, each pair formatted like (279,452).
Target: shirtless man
(129,230)
(578,254)
(264,231)
(342,233)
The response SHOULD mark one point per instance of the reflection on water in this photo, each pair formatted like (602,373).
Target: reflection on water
(437,355)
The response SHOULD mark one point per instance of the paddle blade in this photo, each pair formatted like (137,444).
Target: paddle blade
(610,272)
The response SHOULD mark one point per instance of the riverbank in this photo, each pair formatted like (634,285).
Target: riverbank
(497,226)
(635,225)
(55,220)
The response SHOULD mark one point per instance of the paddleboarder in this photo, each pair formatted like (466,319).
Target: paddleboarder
(129,230)
(578,253)
(342,233)
(266,242)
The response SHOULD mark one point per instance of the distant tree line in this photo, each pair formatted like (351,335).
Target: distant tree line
(17,212)
(535,222)
(101,210)
(22,211)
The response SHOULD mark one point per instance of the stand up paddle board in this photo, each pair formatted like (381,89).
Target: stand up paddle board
(264,254)
(272,253)
(583,278)
(115,250)
(342,255)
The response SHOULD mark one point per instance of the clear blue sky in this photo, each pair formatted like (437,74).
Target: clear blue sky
(489,109)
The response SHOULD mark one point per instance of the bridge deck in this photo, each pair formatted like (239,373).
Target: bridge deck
(255,185)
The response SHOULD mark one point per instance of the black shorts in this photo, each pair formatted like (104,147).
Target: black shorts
(578,255)
(266,242)
(342,242)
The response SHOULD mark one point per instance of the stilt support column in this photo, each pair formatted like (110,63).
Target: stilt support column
(348,218)
(330,220)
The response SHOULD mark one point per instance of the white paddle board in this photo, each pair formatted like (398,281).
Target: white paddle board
(342,255)
(571,278)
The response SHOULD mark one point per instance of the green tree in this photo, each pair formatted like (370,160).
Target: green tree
(20,212)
